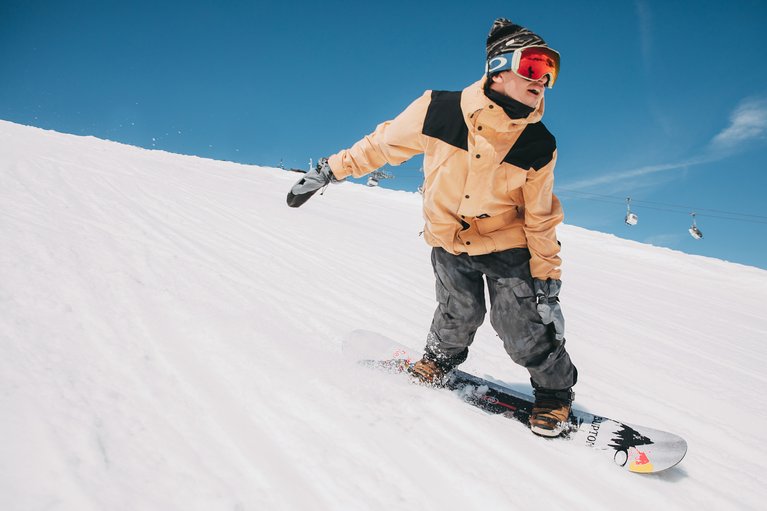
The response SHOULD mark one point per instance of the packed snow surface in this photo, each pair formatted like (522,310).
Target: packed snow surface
(170,338)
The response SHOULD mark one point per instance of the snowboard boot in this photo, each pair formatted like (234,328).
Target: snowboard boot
(429,371)
(551,411)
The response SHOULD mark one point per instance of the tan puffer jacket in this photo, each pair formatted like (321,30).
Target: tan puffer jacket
(488,179)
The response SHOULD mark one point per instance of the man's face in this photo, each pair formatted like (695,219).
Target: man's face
(525,91)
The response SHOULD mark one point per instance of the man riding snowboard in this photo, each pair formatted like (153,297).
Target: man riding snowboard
(490,214)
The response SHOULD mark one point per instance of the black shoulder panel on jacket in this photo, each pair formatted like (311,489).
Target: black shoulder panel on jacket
(444,119)
(534,148)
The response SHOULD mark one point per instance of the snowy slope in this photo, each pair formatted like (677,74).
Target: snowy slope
(170,337)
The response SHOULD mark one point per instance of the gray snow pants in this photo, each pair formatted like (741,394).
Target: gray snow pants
(513,314)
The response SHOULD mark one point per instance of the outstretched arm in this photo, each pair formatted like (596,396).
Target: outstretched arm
(392,142)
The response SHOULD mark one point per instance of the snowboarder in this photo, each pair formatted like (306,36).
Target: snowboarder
(490,214)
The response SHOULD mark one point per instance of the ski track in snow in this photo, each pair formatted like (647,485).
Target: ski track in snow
(171,331)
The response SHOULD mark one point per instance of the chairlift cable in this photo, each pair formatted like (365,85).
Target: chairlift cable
(611,199)
(685,209)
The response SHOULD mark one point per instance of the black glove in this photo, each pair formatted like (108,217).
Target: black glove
(308,185)
(547,300)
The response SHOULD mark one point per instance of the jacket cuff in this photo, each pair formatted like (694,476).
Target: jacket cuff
(336,165)
(543,270)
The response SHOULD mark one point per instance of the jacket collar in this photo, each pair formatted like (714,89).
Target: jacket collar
(473,99)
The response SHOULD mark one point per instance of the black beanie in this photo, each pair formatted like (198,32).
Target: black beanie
(505,37)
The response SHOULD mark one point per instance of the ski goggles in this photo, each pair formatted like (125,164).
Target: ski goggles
(531,63)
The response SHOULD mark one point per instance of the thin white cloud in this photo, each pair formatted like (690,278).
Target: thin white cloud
(644,17)
(622,175)
(747,122)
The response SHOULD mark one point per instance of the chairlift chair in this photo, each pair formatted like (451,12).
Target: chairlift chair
(377,176)
(693,230)
(631,218)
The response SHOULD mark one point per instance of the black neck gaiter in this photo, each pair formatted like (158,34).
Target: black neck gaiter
(513,108)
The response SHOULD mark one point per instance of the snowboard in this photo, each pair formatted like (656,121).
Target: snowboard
(634,448)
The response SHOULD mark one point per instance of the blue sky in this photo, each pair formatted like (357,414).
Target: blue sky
(663,101)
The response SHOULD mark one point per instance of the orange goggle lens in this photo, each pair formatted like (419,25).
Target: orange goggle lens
(536,62)
(532,63)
